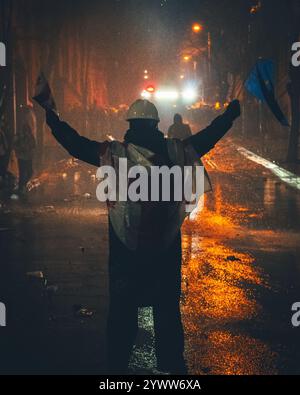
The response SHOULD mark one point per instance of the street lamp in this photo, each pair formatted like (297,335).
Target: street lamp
(186,58)
(197,28)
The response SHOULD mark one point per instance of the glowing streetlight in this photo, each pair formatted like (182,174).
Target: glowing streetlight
(190,94)
(197,28)
(217,105)
(186,58)
(150,89)
(169,95)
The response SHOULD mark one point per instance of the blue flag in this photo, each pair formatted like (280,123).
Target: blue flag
(260,84)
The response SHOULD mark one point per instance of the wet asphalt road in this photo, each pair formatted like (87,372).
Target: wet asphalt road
(241,275)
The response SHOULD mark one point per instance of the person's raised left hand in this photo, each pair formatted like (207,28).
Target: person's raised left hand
(233,110)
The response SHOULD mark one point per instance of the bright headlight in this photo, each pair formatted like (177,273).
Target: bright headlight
(167,95)
(146,95)
(189,94)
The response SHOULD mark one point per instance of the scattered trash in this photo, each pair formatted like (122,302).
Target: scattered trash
(82,312)
(14,197)
(70,198)
(87,195)
(37,274)
(85,313)
(232,258)
(49,208)
(72,162)
(33,184)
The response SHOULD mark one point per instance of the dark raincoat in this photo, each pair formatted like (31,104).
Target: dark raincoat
(139,278)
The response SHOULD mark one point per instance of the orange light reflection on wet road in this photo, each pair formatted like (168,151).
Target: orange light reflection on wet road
(219,283)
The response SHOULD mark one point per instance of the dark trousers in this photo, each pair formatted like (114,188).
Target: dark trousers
(25,172)
(140,279)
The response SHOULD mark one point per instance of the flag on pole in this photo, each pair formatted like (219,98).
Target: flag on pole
(260,84)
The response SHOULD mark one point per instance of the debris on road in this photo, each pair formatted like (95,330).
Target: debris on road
(232,258)
(82,312)
(14,197)
(33,184)
(49,208)
(37,274)
(87,195)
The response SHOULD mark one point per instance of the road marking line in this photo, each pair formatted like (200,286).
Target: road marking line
(285,175)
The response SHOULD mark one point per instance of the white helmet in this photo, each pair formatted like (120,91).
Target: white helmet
(142,109)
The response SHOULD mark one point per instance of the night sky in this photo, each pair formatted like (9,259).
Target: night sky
(138,34)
